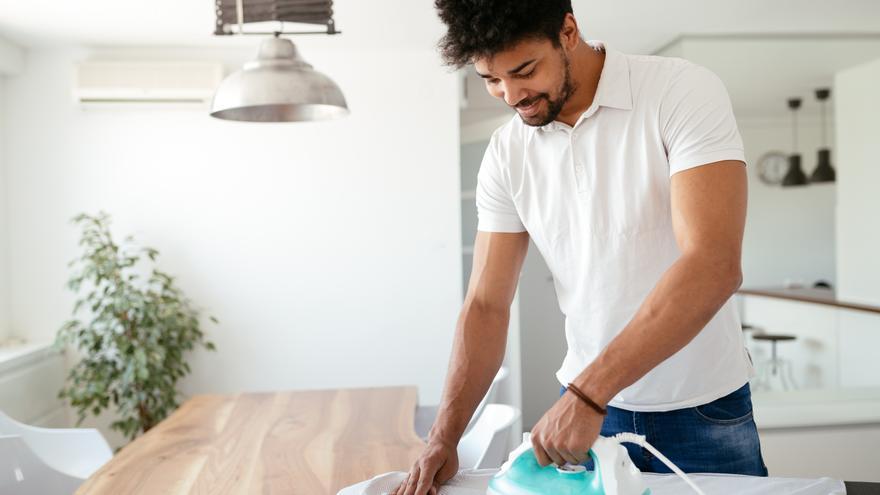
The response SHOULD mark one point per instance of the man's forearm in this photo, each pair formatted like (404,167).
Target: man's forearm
(477,353)
(688,295)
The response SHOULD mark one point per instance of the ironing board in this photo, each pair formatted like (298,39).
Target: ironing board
(475,482)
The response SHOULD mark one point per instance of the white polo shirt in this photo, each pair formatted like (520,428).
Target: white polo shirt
(595,200)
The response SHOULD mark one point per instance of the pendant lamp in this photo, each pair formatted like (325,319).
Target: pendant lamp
(823,172)
(279,86)
(795,175)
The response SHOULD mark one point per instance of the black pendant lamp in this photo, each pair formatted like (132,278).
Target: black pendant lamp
(795,175)
(823,172)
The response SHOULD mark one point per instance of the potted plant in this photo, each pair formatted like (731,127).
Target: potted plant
(134,341)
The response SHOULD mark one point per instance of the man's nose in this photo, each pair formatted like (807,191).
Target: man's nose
(512,93)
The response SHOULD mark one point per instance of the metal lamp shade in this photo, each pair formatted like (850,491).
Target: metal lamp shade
(278,87)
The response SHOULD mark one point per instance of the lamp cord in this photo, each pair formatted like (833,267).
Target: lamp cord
(239,9)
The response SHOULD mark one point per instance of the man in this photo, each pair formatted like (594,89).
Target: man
(628,174)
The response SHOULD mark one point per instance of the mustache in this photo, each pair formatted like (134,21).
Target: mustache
(525,102)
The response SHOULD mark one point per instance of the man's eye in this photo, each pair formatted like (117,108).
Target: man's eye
(526,75)
(492,81)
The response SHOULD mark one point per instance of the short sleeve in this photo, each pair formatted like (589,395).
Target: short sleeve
(495,209)
(697,121)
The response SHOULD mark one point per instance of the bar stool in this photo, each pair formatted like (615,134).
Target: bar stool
(749,328)
(775,366)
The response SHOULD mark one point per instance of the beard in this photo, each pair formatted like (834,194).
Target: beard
(554,105)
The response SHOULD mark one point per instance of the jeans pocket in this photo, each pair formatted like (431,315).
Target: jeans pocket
(731,409)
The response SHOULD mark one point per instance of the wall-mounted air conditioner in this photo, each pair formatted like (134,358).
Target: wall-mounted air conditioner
(146,82)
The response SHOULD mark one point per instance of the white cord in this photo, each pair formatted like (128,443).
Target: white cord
(640,440)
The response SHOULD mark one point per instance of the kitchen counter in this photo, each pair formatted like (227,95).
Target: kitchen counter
(815,296)
(820,407)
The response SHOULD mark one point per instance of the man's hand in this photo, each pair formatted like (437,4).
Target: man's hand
(566,432)
(437,464)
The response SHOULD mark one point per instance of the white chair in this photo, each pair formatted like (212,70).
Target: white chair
(487,445)
(425,415)
(23,473)
(76,452)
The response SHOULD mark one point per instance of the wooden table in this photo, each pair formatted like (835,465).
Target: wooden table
(309,442)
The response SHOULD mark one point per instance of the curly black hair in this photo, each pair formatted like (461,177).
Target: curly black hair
(478,28)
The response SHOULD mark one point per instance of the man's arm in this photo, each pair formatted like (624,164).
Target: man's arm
(481,332)
(477,353)
(708,215)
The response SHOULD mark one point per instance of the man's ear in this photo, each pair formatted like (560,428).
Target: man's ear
(569,35)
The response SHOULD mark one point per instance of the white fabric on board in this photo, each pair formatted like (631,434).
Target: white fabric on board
(475,482)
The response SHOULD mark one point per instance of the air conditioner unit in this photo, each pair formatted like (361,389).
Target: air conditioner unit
(146,82)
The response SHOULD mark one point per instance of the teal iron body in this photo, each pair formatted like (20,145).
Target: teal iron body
(615,474)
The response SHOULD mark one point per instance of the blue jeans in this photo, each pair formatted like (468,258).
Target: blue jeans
(718,437)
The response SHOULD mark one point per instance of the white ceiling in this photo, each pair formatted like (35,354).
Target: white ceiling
(635,26)
(762,73)
(191,22)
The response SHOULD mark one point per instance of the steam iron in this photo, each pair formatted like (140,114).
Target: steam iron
(615,473)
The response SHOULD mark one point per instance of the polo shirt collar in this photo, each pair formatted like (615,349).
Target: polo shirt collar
(614,88)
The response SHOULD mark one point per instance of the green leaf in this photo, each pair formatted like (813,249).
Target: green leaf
(135,337)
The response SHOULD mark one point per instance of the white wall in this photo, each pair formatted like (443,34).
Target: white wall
(858,211)
(11,58)
(11,63)
(789,234)
(4,241)
(329,251)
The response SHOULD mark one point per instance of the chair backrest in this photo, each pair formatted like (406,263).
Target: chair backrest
(488,398)
(77,452)
(487,444)
(23,473)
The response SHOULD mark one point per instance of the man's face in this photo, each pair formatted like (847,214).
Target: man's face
(533,77)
